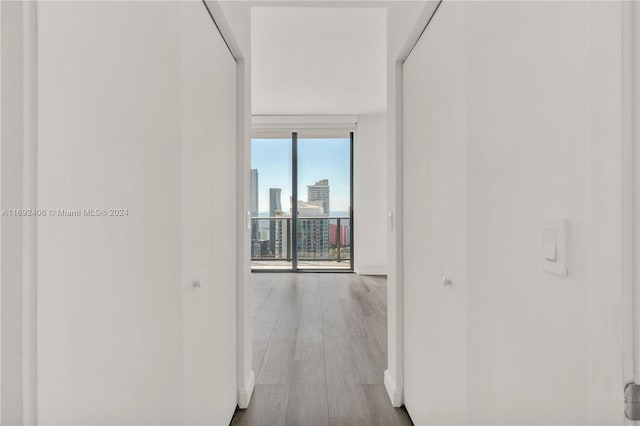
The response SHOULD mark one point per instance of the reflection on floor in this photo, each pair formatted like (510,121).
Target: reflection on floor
(319,352)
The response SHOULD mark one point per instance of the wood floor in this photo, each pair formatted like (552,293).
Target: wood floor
(319,352)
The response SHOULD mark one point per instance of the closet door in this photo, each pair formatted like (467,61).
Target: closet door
(136,117)
(434,165)
(209,220)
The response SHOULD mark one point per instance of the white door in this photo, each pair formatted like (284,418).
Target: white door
(208,220)
(434,163)
(136,114)
(513,124)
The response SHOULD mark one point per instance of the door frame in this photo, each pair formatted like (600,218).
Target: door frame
(630,190)
(21,53)
(242,55)
(635,185)
(294,213)
(394,374)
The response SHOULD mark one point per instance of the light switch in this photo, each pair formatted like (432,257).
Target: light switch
(553,245)
(550,245)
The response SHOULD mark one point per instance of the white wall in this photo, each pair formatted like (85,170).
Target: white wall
(513,113)
(369,193)
(11,196)
(137,111)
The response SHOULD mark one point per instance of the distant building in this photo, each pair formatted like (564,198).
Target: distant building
(259,249)
(319,192)
(275,206)
(343,234)
(312,230)
(283,234)
(254,203)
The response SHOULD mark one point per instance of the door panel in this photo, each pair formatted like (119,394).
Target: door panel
(109,300)
(209,221)
(136,111)
(323,224)
(271,194)
(434,165)
(512,125)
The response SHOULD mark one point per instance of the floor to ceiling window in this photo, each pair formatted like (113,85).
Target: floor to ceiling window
(301,203)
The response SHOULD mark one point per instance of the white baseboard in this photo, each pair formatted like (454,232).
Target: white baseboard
(395,394)
(244,395)
(371,271)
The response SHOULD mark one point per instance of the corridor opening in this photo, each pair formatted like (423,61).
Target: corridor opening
(301,202)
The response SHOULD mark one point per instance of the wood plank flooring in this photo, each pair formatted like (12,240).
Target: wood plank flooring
(319,352)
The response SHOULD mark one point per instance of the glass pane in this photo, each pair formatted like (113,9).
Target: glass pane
(324,203)
(271,204)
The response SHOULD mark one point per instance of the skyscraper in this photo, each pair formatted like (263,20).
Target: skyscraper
(254,204)
(313,230)
(319,192)
(282,236)
(275,207)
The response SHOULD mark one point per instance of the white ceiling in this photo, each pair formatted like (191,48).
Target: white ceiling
(318,60)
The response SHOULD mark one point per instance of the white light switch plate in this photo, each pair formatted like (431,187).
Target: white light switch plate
(550,245)
(553,245)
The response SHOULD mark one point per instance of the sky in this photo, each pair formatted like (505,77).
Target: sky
(317,159)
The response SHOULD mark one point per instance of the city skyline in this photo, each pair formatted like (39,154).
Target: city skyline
(315,234)
(318,159)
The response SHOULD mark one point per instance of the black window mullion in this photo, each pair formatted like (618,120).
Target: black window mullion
(294,201)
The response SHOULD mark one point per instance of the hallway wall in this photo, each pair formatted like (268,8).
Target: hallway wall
(513,113)
(137,111)
(369,193)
